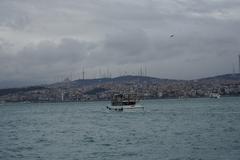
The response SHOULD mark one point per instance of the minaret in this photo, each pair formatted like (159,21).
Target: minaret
(62,96)
(239,63)
(145,72)
(233,71)
(83,74)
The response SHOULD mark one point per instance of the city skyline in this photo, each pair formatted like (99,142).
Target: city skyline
(41,41)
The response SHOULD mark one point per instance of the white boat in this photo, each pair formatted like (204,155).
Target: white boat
(124,102)
(214,95)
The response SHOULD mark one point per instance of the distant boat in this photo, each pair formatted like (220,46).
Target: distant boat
(124,102)
(214,95)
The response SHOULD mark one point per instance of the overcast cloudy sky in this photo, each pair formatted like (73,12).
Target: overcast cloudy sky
(43,41)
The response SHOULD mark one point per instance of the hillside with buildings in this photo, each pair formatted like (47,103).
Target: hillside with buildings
(144,87)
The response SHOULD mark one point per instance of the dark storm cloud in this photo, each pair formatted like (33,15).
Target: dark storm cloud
(128,46)
(44,39)
(46,52)
(44,60)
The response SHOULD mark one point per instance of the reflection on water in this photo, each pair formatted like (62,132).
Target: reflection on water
(167,129)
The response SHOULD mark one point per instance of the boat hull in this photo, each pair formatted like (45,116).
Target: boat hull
(125,108)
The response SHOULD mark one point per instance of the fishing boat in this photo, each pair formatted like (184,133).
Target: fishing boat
(124,102)
(214,95)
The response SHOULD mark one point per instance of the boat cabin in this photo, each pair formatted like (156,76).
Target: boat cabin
(123,99)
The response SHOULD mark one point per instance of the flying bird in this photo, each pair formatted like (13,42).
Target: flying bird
(172,35)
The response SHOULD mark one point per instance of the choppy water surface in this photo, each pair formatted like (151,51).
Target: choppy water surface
(168,129)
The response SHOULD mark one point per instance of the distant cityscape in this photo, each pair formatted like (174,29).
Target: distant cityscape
(103,88)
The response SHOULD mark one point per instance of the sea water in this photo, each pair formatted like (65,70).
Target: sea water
(175,129)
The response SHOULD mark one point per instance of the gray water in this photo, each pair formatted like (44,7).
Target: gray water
(192,129)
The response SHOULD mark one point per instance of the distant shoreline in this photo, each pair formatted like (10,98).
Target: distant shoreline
(144,87)
(38,102)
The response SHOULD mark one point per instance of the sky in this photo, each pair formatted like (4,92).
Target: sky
(48,41)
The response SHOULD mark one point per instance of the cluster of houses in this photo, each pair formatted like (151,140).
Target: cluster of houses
(144,89)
